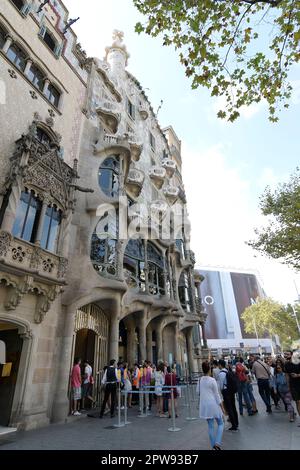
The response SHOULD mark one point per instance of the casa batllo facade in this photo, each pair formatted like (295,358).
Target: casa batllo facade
(94,237)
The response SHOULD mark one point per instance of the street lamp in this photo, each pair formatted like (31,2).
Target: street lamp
(294,314)
(255,329)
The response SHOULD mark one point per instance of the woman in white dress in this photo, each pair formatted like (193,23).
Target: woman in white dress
(159,383)
(211,407)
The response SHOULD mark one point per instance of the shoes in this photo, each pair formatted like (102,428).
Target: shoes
(232,429)
(251,413)
(269,410)
(216,447)
(101,416)
(254,412)
(76,413)
(112,416)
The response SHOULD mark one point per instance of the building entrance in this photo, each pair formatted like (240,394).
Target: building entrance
(9,334)
(90,341)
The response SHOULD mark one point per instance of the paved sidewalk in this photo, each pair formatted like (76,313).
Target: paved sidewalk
(262,431)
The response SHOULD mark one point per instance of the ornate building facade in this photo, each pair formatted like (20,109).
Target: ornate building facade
(98,270)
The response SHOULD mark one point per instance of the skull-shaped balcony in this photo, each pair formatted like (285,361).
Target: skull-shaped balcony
(136,149)
(144,113)
(109,113)
(135,181)
(171,193)
(157,175)
(170,166)
(158,211)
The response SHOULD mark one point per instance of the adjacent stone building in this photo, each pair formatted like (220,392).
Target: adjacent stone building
(94,235)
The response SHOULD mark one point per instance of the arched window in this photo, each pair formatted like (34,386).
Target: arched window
(17,56)
(53,95)
(51,228)
(184,291)
(36,76)
(2,37)
(134,264)
(109,174)
(155,270)
(104,244)
(27,216)
(19,4)
(43,137)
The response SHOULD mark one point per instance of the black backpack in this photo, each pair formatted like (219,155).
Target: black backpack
(232,381)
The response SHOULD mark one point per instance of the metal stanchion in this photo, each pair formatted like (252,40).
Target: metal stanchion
(189,417)
(141,402)
(119,425)
(185,395)
(125,409)
(173,428)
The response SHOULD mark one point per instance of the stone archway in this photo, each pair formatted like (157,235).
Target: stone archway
(17,338)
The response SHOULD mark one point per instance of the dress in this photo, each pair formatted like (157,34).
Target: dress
(209,398)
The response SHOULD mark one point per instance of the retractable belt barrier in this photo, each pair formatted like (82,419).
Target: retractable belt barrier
(150,389)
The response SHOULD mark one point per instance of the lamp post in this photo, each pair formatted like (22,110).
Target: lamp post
(258,343)
(294,314)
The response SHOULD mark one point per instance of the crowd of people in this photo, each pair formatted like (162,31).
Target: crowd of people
(146,376)
(225,384)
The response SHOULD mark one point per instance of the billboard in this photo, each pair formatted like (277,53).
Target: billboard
(225,296)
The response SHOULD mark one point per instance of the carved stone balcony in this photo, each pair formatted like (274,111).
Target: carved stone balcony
(144,113)
(158,211)
(170,166)
(136,149)
(23,257)
(110,115)
(157,175)
(135,181)
(171,193)
(28,269)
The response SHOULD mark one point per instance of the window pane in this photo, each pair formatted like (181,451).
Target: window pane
(50,41)
(42,136)
(36,77)
(54,230)
(21,214)
(17,56)
(53,95)
(109,176)
(46,228)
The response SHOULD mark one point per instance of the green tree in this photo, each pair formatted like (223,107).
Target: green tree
(240,49)
(280,239)
(267,316)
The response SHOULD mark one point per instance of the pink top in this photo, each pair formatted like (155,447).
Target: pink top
(76,376)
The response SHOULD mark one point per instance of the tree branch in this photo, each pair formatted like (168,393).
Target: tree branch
(235,32)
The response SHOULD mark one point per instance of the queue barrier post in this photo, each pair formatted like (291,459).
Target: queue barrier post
(119,425)
(126,409)
(141,405)
(173,428)
(189,417)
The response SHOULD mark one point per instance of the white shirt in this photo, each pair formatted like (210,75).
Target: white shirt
(210,399)
(88,371)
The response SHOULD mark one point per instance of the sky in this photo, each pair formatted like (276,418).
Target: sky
(226,166)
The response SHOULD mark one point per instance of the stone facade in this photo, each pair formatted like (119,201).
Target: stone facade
(102,269)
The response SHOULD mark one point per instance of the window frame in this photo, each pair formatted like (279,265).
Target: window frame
(130,109)
(113,174)
(25,8)
(49,95)
(152,141)
(15,45)
(38,209)
(59,46)
(53,208)
(4,31)
(33,80)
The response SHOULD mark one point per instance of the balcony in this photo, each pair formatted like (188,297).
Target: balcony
(135,181)
(170,166)
(110,115)
(23,258)
(144,113)
(158,210)
(136,149)
(171,193)
(157,175)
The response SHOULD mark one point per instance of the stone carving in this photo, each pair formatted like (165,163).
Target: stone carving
(48,265)
(18,254)
(50,121)
(51,113)
(33,95)
(15,293)
(35,258)
(5,240)
(44,303)
(62,268)
(12,73)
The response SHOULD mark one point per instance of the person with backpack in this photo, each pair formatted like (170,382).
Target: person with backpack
(228,386)
(242,375)
(262,373)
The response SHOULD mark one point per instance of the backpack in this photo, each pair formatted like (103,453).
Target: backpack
(241,373)
(232,381)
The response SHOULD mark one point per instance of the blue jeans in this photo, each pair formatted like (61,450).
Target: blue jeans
(215,437)
(250,392)
(243,393)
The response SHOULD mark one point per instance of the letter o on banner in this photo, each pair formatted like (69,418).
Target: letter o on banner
(2,352)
